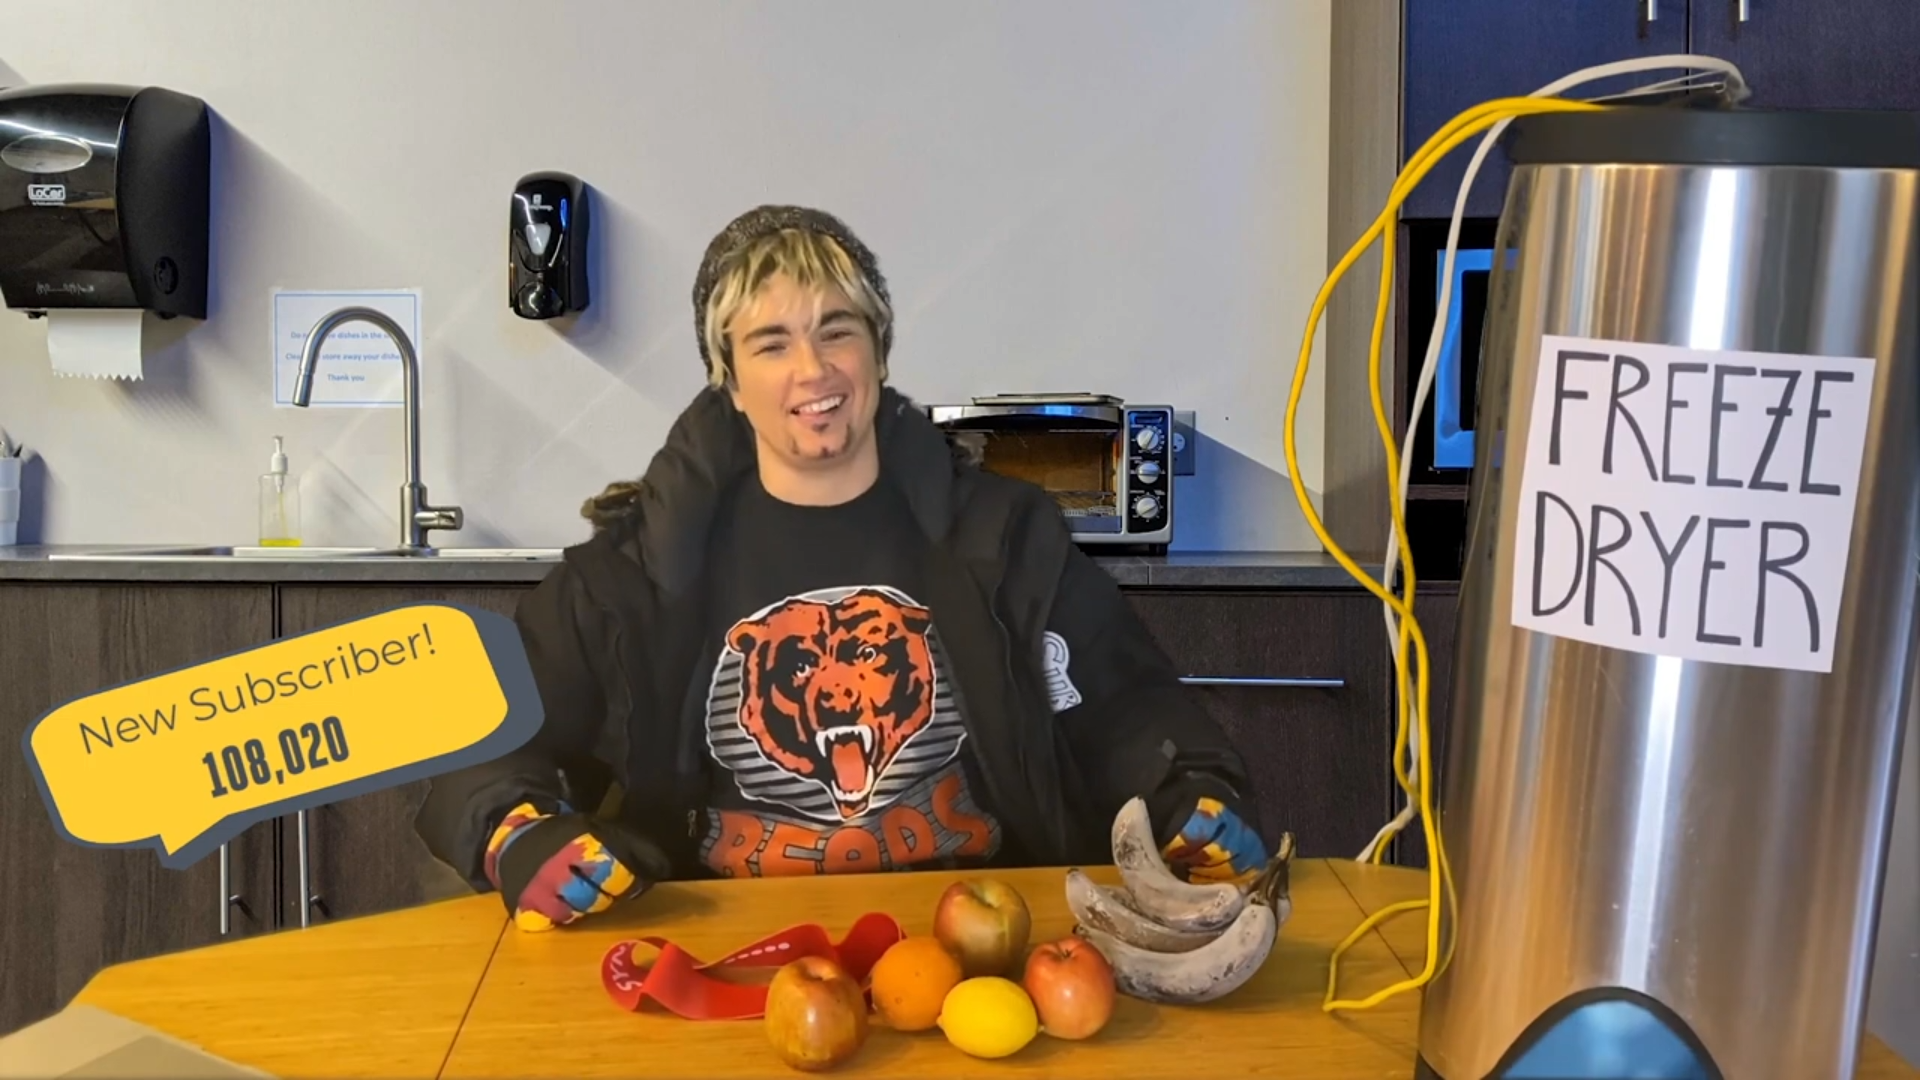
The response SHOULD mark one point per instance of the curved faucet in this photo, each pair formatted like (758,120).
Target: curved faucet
(417,516)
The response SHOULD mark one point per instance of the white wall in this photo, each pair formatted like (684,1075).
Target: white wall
(1124,196)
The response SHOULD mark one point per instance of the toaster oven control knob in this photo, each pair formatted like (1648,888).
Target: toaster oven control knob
(1147,471)
(1148,439)
(1146,507)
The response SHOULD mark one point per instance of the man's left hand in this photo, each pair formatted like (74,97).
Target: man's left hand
(1215,846)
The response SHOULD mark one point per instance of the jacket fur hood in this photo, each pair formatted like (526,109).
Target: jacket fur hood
(665,517)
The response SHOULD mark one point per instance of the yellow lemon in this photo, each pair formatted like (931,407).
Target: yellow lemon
(988,1017)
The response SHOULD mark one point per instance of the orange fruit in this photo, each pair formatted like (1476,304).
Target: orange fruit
(910,982)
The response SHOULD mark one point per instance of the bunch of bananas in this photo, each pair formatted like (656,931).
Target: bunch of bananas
(1173,941)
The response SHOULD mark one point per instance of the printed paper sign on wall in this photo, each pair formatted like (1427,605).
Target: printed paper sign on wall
(1690,503)
(359,364)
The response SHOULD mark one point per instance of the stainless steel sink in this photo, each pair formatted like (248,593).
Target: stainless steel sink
(124,553)
(221,552)
(529,554)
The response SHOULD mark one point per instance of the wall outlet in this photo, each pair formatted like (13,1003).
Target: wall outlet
(1184,439)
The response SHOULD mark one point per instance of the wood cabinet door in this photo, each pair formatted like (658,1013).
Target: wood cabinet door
(72,910)
(1319,755)
(363,856)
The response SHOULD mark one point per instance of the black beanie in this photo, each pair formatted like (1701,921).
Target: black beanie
(764,221)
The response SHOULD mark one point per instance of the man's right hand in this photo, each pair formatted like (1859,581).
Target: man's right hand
(552,868)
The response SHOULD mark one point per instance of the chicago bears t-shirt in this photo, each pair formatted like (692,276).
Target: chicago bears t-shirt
(833,727)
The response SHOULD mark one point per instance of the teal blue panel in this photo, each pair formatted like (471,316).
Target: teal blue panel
(1609,1040)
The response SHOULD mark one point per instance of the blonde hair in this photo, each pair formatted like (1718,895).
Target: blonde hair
(814,261)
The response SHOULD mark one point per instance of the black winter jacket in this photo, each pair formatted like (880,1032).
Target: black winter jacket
(614,638)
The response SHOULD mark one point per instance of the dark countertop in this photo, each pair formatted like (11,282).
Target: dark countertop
(1180,570)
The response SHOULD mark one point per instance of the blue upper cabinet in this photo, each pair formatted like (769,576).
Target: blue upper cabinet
(1459,53)
(1817,54)
(1797,54)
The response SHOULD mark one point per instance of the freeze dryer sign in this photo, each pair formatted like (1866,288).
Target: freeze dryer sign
(1690,503)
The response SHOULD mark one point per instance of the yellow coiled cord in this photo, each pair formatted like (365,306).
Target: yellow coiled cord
(1458,130)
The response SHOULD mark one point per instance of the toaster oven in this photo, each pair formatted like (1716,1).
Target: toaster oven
(1106,462)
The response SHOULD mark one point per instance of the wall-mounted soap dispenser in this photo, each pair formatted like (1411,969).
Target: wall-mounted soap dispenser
(547,246)
(104,199)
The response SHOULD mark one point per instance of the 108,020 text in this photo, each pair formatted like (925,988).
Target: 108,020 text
(325,743)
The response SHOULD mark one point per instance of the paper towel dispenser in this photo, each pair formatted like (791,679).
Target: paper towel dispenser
(103,199)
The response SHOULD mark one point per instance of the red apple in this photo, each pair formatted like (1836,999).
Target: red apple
(1071,985)
(816,1014)
(985,923)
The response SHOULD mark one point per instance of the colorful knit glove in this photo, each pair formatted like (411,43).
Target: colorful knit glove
(552,868)
(1216,846)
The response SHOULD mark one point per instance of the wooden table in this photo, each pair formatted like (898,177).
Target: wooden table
(448,990)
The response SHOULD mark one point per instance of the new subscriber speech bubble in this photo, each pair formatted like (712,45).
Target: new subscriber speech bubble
(186,760)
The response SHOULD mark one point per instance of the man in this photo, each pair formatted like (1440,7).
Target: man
(814,639)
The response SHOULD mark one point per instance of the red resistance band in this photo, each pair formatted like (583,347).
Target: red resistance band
(678,981)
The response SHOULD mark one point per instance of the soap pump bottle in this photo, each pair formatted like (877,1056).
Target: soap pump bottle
(279,502)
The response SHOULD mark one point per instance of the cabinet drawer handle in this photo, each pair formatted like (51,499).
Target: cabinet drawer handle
(228,898)
(1248,680)
(306,881)
(226,891)
(1743,10)
(1653,10)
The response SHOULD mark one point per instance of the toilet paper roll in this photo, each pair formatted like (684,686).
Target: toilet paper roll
(95,343)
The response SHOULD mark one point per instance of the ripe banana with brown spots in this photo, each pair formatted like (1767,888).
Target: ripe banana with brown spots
(1110,910)
(1156,892)
(1200,975)
(1156,961)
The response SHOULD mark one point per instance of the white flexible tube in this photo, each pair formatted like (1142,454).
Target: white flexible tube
(1389,571)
